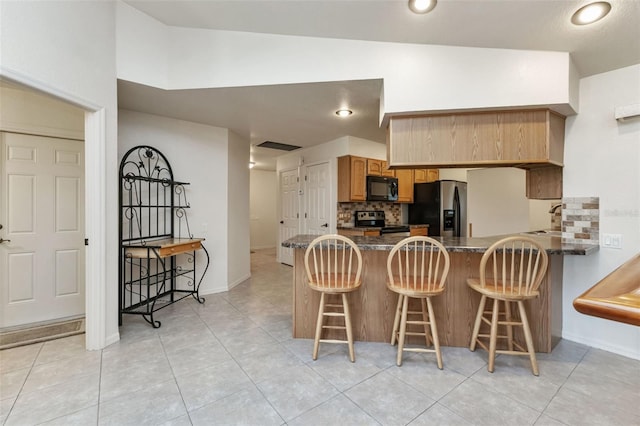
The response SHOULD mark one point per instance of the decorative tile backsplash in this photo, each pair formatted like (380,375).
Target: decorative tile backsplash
(347,212)
(581,220)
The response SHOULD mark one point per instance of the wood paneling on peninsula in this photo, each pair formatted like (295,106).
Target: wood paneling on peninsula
(526,138)
(373,306)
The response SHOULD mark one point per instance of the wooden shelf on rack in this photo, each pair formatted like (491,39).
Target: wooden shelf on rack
(163,248)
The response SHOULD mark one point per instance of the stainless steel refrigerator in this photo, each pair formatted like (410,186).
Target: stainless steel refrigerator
(442,205)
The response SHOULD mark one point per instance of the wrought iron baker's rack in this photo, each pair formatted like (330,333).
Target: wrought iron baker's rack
(157,262)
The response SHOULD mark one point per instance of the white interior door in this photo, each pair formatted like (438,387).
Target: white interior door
(289,213)
(42,214)
(316,195)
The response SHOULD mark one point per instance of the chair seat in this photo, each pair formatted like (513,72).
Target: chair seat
(495,290)
(413,289)
(334,283)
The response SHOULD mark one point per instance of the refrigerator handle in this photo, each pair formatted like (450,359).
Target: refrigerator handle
(456,210)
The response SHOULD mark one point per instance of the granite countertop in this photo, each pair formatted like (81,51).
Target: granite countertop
(553,245)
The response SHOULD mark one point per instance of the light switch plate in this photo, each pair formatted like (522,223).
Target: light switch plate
(612,241)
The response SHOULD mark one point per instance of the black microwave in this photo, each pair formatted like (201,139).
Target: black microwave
(380,188)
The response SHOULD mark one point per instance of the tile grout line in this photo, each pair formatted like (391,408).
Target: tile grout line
(23,383)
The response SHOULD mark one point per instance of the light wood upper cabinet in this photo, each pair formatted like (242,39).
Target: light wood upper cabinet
(405,185)
(426,175)
(379,168)
(352,178)
(374,167)
(386,171)
(544,183)
(524,138)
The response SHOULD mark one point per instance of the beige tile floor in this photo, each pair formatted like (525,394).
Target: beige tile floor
(232,361)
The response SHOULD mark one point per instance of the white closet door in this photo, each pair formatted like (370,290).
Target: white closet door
(42,214)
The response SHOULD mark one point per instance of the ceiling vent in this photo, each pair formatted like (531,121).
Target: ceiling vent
(278,145)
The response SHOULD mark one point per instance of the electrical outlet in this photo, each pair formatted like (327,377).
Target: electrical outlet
(612,241)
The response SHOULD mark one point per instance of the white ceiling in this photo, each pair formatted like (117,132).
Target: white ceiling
(303,114)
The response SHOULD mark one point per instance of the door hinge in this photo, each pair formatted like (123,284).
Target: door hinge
(305,178)
(297,179)
(305,215)
(86,241)
(297,215)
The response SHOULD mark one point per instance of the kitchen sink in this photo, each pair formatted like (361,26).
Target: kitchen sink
(545,232)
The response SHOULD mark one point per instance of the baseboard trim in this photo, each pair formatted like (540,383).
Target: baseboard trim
(605,346)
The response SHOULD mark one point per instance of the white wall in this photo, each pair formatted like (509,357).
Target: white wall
(602,158)
(416,77)
(453,174)
(197,154)
(262,201)
(27,111)
(67,48)
(496,201)
(539,216)
(237,209)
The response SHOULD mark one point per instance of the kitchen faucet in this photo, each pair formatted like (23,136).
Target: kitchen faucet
(554,208)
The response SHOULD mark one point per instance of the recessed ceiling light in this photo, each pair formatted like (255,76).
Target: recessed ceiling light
(591,13)
(344,112)
(422,6)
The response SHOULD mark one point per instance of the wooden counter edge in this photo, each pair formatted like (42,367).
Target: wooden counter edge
(603,300)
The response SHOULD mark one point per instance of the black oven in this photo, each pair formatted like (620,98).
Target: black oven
(380,188)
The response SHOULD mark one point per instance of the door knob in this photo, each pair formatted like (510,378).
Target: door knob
(325,225)
(282,222)
(4,241)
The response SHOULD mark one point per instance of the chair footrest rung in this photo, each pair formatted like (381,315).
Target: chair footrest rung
(332,305)
(333,314)
(335,327)
(511,323)
(419,322)
(500,336)
(418,350)
(414,333)
(506,352)
(333,341)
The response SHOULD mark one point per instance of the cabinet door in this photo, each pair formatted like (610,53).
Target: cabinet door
(426,175)
(405,185)
(374,167)
(386,171)
(358,179)
(420,175)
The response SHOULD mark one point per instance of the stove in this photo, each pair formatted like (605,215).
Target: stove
(376,219)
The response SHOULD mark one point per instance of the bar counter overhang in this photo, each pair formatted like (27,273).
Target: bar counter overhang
(373,305)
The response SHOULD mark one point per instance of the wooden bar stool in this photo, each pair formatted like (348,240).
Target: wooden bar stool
(333,264)
(511,271)
(417,268)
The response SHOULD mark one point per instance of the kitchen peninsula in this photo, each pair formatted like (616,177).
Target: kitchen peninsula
(373,305)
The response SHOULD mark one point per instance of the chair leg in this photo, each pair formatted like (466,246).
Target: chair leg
(316,342)
(396,320)
(434,333)
(493,338)
(508,319)
(427,322)
(528,338)
(347,323)
(403,329)
(476,326)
